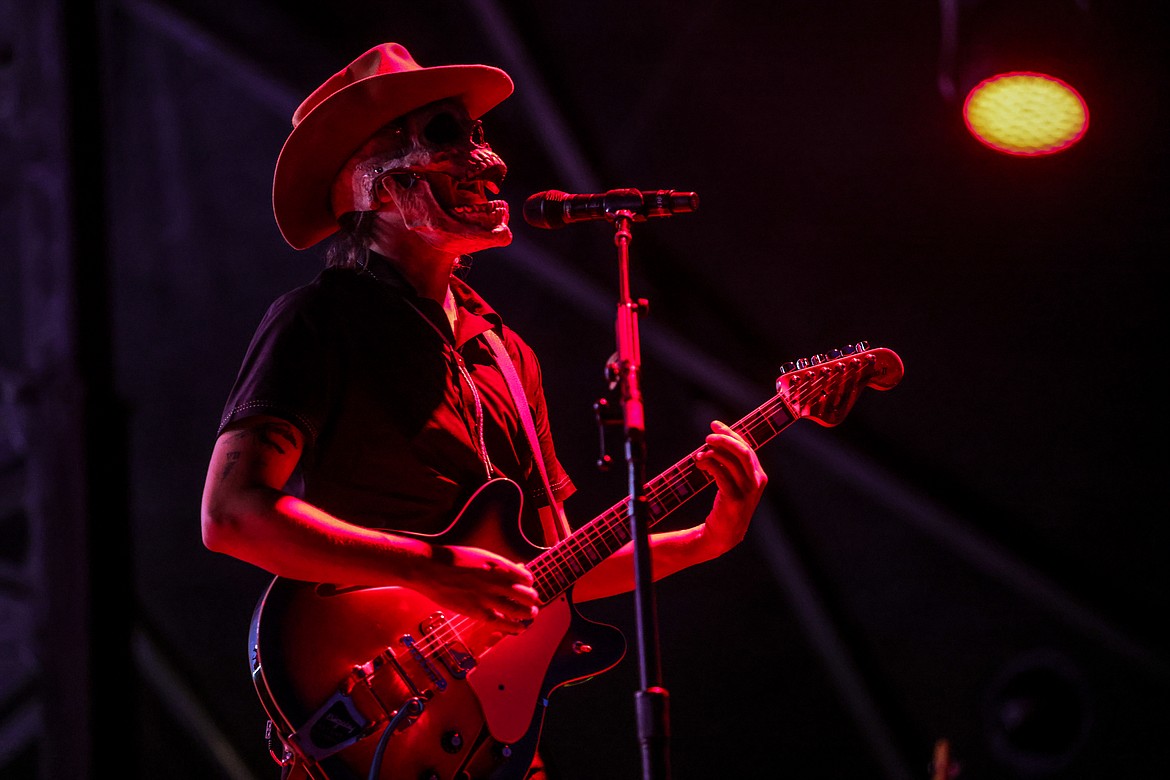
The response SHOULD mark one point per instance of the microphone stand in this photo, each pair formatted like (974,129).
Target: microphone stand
(652,701)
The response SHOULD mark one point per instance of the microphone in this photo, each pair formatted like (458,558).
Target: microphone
(553,209)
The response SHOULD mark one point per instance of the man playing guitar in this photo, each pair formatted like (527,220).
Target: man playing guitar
(370,412)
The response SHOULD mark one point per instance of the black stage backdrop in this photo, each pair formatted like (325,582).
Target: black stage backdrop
(977,556)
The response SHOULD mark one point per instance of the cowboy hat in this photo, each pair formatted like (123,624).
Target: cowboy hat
(343,113)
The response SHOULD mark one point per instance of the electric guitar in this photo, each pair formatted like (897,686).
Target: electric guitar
(381,683)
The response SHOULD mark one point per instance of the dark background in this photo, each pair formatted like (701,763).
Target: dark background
(977,556)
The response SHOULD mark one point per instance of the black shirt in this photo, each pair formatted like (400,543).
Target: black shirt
(385,395)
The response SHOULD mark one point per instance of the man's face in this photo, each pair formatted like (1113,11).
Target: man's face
(433,167)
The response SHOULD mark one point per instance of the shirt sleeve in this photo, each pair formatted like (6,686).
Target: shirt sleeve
(285,370)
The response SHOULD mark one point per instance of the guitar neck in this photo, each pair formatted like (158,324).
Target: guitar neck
(556,569)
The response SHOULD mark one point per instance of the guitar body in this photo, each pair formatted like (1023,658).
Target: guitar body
(334,665)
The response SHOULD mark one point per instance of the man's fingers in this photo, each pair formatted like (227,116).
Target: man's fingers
(509,611)
(729,456)
(722,473)
(513,572)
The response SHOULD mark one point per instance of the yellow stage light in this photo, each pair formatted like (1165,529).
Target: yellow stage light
(1027,114)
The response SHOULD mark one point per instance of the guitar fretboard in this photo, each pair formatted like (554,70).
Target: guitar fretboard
(557,568)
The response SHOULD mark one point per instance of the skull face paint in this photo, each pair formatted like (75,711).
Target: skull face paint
(434,168)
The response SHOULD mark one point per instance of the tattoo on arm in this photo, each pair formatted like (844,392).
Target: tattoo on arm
(262,441)
(233,458)
(268,434)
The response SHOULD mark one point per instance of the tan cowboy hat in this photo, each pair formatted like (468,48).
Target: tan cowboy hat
(344,112)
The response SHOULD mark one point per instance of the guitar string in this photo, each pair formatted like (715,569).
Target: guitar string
(665,483)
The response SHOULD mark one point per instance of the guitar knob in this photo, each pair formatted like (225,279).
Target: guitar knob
(502,750)
(580,648)
(452,741)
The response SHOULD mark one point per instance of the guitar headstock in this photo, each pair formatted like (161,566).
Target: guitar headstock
(824,387)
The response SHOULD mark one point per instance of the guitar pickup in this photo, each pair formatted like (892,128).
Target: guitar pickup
(457,658)
(453,654)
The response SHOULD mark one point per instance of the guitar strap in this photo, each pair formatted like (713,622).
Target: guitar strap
(559,526)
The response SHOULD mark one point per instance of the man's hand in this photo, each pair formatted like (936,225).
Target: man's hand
(482,585)
(740,481)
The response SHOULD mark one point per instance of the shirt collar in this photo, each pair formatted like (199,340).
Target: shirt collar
(475,316)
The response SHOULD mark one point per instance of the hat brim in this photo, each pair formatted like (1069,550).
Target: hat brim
(324,140)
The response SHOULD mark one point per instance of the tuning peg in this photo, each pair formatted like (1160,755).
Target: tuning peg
(824,357)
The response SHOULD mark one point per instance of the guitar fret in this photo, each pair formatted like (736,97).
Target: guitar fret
(615,527)
(746,432)
(758,432)
(780,419)
(591,555)
(539,569)
(696,478)
(676,479)
(762,425)
(575,565)
(661,503)
(587,553)
(559,577)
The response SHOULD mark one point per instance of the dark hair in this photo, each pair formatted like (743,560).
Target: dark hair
(350,246)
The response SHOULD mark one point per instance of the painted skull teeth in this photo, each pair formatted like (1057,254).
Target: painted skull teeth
(470,196)
(471,202)
(491,208)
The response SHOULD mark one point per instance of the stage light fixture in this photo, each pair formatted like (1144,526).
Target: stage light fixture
(1016,67)
(1026,114)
